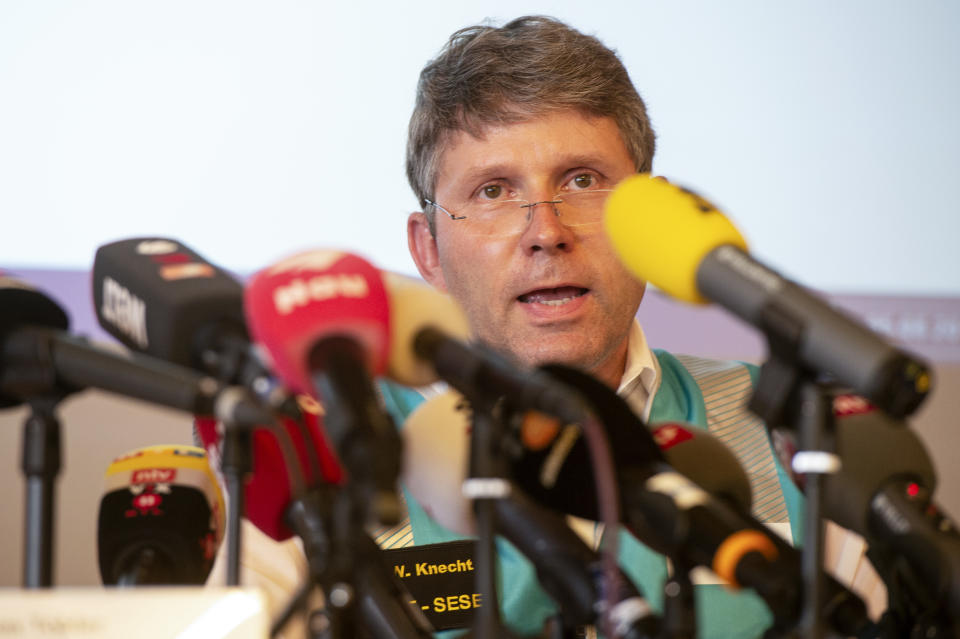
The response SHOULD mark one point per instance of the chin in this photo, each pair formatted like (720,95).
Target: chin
(568,354)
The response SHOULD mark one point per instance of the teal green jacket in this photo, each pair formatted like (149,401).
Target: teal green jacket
(721,613)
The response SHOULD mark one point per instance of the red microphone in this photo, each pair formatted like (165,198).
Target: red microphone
(300,301)
(296,302)
(324,319)
(268,490)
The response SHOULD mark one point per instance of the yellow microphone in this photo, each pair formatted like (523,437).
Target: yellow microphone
(663,232)
(680,242)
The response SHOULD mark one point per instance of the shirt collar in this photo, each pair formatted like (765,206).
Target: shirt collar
(641,375)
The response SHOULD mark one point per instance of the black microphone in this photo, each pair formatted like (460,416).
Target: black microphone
(483,376)
(161,518)
(568,485)
(883,491)
(696,255)
(157,296)
(21,304)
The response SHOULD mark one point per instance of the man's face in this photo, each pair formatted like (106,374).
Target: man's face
(547,292)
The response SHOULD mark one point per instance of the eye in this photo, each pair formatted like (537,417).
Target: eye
(491,192)
(583,181)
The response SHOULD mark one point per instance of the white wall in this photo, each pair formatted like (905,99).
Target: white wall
(249,129)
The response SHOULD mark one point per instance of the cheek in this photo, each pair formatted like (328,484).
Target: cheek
(468,271)
(633,288)
(628,289)
(473,261)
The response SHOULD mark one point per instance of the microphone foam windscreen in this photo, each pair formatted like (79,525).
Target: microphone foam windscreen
(436,454)
(293,304)
(20,303)
(662,232)
(415,305)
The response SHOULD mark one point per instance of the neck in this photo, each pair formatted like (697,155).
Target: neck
(610,370)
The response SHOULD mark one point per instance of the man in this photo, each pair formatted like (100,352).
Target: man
(517,136)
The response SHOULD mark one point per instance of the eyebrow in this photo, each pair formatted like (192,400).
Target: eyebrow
(478,174)
(485,172)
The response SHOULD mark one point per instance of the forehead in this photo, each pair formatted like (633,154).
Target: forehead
(540,145)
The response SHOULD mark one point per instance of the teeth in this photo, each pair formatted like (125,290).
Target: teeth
(543,296)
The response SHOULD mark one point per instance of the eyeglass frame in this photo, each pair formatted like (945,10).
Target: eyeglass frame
(528,205)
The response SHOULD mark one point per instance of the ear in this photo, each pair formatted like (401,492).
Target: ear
(423,250)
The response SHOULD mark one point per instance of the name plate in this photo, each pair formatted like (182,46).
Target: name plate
(440,577)
(121,613)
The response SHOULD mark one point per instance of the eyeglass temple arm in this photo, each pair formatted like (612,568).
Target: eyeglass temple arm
(449,214)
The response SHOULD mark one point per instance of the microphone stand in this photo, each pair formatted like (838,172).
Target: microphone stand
(29,374)
(363,597)
(44,365)
(361,592)
(679,610)
(572,573)
(789,395)
(236,464)
(486,484)
(41,463)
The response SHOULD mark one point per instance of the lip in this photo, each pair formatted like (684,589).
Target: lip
(545,312)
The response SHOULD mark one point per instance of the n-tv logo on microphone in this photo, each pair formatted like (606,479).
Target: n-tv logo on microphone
(153,476)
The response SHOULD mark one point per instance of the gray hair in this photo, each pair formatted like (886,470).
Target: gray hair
(533,65)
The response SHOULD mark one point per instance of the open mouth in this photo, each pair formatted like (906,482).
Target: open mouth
(553,296)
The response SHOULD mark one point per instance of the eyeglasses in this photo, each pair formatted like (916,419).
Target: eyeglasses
(510,217)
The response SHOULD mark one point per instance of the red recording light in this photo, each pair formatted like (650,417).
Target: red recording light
(172,258)
(913,489)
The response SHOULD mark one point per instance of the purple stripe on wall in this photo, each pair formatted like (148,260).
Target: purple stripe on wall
(927,326)
(71,289)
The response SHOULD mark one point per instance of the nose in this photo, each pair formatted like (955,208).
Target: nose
(545,230)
